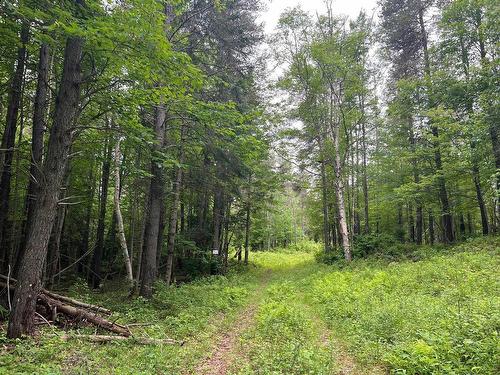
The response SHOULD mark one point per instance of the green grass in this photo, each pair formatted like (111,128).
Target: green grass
(435,313)
(195,312)
(436,316)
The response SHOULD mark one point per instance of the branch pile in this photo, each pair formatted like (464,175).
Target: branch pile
(50,305)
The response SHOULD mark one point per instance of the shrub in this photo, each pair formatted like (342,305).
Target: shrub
(365,245)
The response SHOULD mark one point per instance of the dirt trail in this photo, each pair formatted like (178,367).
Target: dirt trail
(220,360)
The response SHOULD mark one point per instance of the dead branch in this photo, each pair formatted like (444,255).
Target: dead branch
(134,340)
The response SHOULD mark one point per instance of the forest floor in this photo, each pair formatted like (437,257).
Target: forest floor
(435,313)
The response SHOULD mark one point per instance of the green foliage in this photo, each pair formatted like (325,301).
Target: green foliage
(436,316)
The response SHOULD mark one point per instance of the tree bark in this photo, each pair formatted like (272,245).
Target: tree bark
(324,197)
(175,208)
(431,229)
(247,231)
(8,142)
(119,217)
(156,192)
(95,276)
(339,184)
(38,234)
(365,179)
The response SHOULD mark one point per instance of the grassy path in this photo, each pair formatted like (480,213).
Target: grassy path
(279,332)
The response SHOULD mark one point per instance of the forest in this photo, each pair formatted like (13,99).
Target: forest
(185,192)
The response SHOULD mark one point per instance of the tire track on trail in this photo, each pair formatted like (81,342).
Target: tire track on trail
(219,361)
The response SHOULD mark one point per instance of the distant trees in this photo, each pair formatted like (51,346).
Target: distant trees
(419,167)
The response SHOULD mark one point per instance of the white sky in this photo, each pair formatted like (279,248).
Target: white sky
(346,7)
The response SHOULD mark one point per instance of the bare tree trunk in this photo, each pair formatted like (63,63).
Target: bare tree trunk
(411,223)
(326,224)
(119,217)
(365,179)
(38,128)
(247,231)
(339,184)
(156,192)
(85,236)
(8,143)
(38,234)
(227,236)
(418,232)
(54,249)
(175,208)
(217,213)
(95,267)
(431,229)
(140,247)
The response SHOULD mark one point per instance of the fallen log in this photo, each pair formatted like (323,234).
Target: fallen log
(77,313)
(77,303)
(65,299)
(81,314)
(137,340)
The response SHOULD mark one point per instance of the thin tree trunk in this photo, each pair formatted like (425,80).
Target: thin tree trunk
(217,219)
(227,237)
(432,236)
(365,179)
(119,217)
(247,231)
(85,237)
(38,234)
(95,276)
(8,143)
(175,208)
(324,197)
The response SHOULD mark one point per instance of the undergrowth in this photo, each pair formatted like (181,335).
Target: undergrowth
(419,311)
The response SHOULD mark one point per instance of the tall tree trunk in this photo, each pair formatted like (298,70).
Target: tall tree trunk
(38,234)
(227,237)
(417,235)
(156,196)
(447,219)
(175,208)
(365,178)
(95,275)
(432,236)
(38,128)
(247,231)
(8,142)
(85,236)
(339,184)
(140,247)
(119,217)
(161,234)
(324,199)
(480,199)
(54,248)
(217,214)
